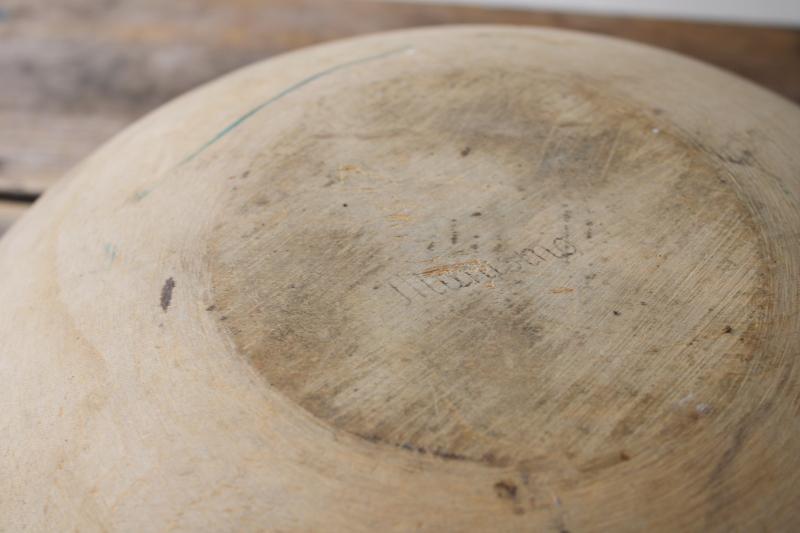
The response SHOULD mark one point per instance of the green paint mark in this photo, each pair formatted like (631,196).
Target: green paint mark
(139,195)
(111,252)
(239,121)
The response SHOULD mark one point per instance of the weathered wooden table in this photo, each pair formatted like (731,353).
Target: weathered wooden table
(76,72)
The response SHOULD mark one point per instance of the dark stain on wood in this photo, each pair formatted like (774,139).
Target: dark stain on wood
(505,490)
(166,293)
(489,459)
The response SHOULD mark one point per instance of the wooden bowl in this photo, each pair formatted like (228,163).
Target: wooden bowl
(464,279)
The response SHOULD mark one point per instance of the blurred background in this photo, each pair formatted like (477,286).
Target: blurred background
(74,72)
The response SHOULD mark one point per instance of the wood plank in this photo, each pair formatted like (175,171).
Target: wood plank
(9,213)
(36,148)
(76,71)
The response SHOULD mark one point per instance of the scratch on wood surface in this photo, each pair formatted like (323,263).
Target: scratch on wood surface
(610,157)
(435,401)
(561,290)
(345,171)
(305,81)
(393,286)
(399,217)
(472,264)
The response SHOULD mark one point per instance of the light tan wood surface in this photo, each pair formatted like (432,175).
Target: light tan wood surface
(474,279)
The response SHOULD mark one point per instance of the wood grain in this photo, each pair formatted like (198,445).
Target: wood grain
(466,279)
(75,72)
